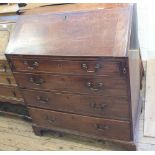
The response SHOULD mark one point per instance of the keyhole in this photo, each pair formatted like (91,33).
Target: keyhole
(124,70)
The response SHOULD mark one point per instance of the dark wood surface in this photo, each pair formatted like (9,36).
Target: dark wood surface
(106,67)
(91,105)
(76,84)
(98,32)
(89,125)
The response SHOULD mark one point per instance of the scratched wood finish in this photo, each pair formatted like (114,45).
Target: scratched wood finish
(83,67)
(94,105)
(60,34)
(90,126)
(76,84)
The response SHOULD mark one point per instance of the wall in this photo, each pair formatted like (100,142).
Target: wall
(146,28)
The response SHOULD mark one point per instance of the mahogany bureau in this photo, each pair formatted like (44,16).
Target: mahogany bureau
(79,70)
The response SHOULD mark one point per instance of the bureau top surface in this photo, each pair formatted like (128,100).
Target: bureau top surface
(97,31)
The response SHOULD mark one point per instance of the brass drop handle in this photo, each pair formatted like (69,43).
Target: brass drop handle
(42,99)
(101,127)
(50,120)
(31,65)
(93,87)
(37,81)
(98,106)
(85,67)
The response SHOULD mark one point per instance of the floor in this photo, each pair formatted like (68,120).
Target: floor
(144,143)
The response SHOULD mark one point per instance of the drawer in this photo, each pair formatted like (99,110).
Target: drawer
(7,78)
(98,67)
(76,84)
(10,91)
(98,127)
(99,106)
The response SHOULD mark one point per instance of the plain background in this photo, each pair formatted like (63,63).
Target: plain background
(146,28)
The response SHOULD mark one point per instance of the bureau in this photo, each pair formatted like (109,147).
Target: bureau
(79,70)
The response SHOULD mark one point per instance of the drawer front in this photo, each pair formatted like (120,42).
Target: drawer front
(76,84)
(10,91)
(68,67)
(99,106)
(82,124)
(4,67)
(7,79)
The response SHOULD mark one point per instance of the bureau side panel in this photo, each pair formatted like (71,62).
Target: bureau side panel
(134,75)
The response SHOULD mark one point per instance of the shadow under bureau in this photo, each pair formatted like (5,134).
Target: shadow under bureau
(79,71)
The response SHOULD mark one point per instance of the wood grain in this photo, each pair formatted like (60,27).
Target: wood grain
(74,84)
(94,105)
(71,123)
(98,66)
(60,34)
